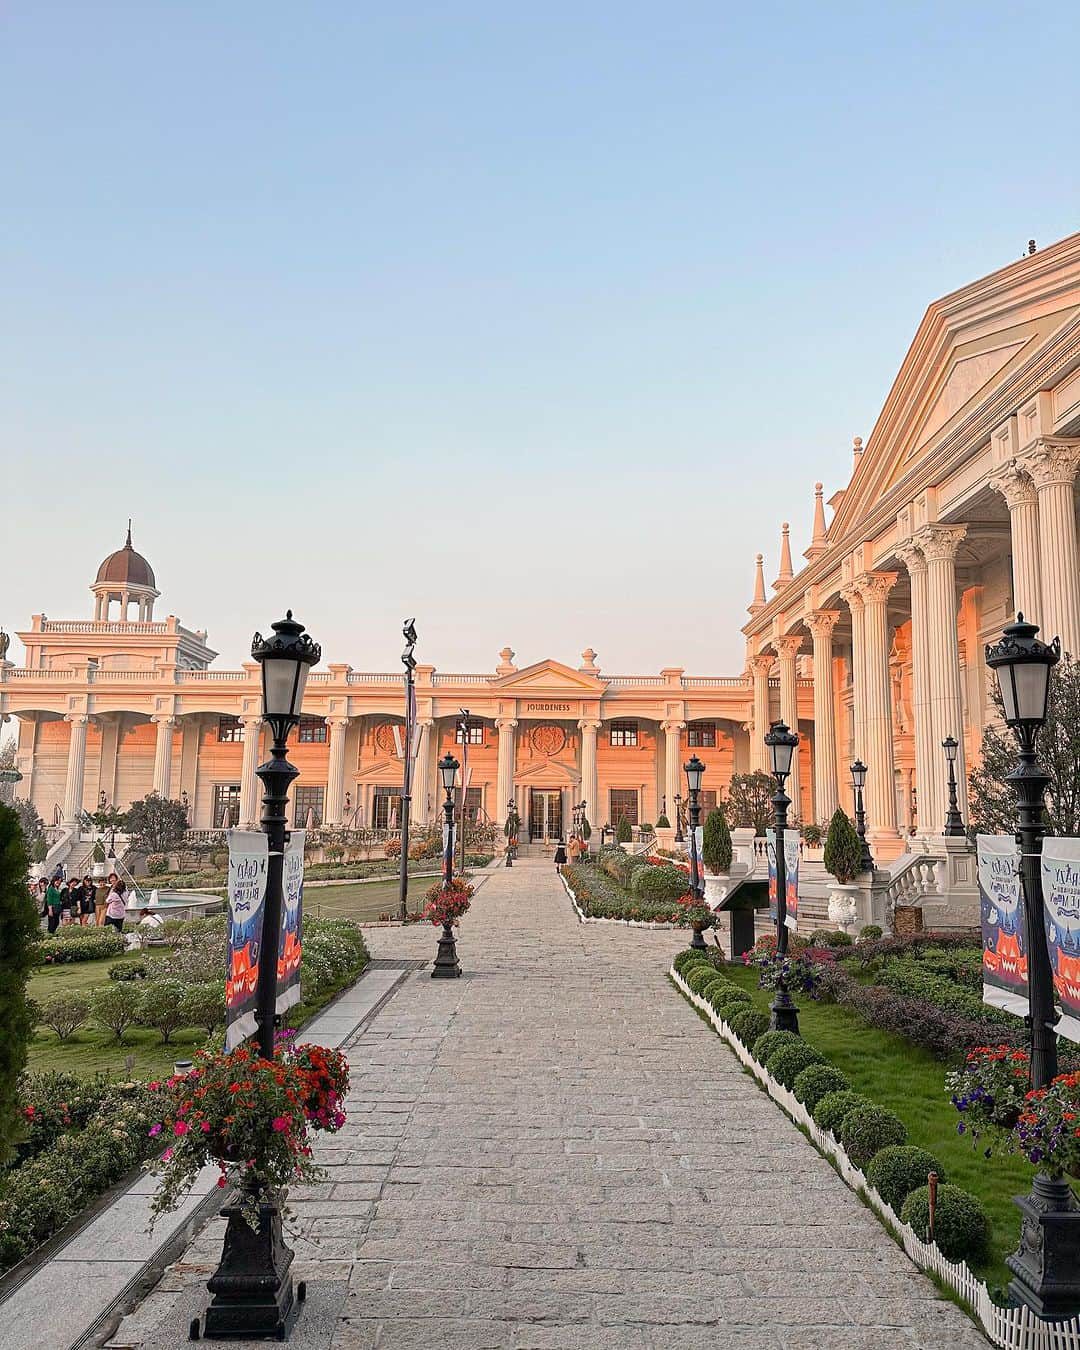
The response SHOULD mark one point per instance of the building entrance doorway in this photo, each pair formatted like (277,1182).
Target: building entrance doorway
(545,814)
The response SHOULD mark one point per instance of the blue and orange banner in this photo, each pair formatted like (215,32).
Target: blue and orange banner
(291,944)
(1004,934)
(248,859)
(791,876)
(1061,916)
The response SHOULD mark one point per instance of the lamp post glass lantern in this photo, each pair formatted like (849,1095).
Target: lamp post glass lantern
(782,744)
(695,772)
(1046,1266)
(446,964)
(252,1288)
(954,822)
(858,782)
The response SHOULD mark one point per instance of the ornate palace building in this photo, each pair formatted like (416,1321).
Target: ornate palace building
(112,707)
(959,510)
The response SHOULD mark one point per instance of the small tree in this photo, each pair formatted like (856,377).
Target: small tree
(31,824)
(662,822)
(843,849)
(161,1007)
(750,799)
(115,1006)
(156,824)
(18,931)
(203,1005)
(716,842)
(65,1013)
(623,832)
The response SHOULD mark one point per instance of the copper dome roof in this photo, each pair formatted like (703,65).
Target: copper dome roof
(126,567)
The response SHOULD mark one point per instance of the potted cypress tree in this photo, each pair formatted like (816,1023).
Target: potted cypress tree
(843,859)
(716,855)
(624,834)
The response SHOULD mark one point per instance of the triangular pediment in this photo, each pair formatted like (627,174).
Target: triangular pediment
(551,773)
(549,675)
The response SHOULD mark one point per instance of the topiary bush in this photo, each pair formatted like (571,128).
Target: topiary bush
(896,1171)
(685,962)
(725,1000)
(203,1005)
(128,970)
(115,1007)
(772,1040)
(815,1081)
(830,939)
(64,1013)
(716,852)
(699,977)
(748,1024)
(161,1007)
(79,944)
(961,1225)
(787,1061)
(18,931)
(871,933)
(716,985)
(866,1130)
(623,833)
(663,885)
(843,849)
(662,822)
(833,1107)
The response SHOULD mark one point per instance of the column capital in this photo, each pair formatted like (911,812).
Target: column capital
(1052,460)
(505,723)
(787,648)
(668,728)
(77,719)
(911,555)
(164,719)
(761,666)
(251,720)
(1014,483)
(429,722)
(874,587)
(822,622)
(852,597)
(939,543)
(337,721)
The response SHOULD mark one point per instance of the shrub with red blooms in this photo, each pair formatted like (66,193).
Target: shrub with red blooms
(252,1113)
(1048,1131)
(990,1089)
(446,905)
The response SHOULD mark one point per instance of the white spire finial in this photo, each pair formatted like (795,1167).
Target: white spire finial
(818,542)
(759,584)
(786,570)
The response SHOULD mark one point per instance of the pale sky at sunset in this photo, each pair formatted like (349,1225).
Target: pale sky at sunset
(533,322)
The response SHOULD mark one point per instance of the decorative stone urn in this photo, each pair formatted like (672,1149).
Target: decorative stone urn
(843,904)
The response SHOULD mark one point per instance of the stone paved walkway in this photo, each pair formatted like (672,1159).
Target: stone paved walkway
(554,1151)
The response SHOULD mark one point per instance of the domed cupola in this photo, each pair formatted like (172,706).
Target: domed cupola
(126,577)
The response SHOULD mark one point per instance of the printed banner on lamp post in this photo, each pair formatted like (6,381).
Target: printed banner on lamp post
(791,878)
(1004,932)
(248,856)
(1061,915)
(770,853)
(290,948)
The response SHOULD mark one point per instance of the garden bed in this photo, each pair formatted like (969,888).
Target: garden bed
(598,897)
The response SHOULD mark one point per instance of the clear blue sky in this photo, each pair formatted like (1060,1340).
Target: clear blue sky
(532,321)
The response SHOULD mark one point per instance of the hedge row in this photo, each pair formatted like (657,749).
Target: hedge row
(923,980)
(600,896)
(76,943)
(873,1138)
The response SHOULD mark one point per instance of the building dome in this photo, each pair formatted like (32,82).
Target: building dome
(125,567)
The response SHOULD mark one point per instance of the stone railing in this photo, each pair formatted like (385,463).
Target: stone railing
(462,679)
(102,626)
(636,681)
(376,677)
(715,682)
(911,879)
(237,676)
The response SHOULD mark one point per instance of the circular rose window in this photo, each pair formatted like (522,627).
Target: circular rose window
(548,739)
(384,739)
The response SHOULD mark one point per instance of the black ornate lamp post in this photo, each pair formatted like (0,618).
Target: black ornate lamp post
(512,829)
(954,823)
(858,782)
(782,743)
(695,772)
(678,819)
(1046,1266)
(252,1288)
(446,965)
(408,660)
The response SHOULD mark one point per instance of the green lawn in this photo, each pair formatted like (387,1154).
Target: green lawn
(364,901)
(909,1081)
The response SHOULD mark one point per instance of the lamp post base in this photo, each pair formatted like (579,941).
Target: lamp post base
(252,1288)
(1046,1265)
(697,942)
(447,966)
(785,1015)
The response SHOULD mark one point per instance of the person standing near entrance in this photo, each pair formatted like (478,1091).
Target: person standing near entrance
(54,904)
(560,856)
(116,906)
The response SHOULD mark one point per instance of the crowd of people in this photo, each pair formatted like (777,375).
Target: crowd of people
(86,902)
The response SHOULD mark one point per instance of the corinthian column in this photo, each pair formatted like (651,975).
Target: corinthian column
(929,767)
(760,668)
(163,754)
(249,784)
(826,793)
(590,786)
(878,722)
(852,597)
(1053,467)
(504,783)
(337,728)
(1023,502)
(787,649)
(672,745)
(76,767)
(421,781)
(939,544)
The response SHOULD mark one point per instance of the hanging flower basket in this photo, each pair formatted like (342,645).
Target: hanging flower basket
(446,905)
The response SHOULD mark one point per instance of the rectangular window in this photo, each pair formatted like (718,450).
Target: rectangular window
(230,729)
(307,799)
(312,729)
(385,808)
(624,805)
(708,801)
(624,733)
(472,804)
(702,733)
(226,798)
(476,734)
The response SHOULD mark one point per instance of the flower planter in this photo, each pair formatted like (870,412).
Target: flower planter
(843,904)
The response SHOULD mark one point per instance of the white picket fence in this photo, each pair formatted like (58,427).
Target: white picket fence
(1010,1328)
(626,923)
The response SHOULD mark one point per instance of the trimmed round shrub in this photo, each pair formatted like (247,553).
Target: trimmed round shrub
(866,1130)
(128,970)
(813,1082)
(717,983)
(961,1225)
(686,959)
(871,933)
(161,1007)
(833,1107)
(829,939)
(699,977)
(728,999)
(896,1171)
(748,1024)
(788,1061)
(772,1040)
(662,885)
